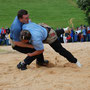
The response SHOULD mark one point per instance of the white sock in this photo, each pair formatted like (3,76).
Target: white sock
(78,64)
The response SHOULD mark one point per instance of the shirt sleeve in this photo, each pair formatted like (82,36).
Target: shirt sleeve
(15,34)
(38,45)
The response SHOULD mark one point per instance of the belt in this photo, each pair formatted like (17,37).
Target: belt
(48,30)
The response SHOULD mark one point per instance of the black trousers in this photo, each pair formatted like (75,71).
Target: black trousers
(40,58)
(59,32)
(62,51)
(28,60)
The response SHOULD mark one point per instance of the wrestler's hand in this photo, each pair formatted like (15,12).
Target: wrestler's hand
(29,54)
(30,46)
(35,53)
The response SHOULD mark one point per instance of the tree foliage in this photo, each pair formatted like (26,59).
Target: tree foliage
(85,5)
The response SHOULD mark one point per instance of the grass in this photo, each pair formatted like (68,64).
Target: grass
(56,13)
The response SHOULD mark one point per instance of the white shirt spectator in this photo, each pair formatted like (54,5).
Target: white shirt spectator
(7,36)
(78,31)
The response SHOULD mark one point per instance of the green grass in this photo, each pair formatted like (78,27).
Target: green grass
(56,13)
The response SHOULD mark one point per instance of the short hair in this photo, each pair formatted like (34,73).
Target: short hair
(25,35)
(21,13)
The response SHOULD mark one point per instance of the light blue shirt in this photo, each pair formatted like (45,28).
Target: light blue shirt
(84,32)
(15,29)
(38,34)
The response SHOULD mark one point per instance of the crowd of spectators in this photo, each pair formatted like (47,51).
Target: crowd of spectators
(80,34)
(4,36)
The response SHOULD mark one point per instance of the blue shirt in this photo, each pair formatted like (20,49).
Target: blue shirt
(0,31)
(38,34)
(15,29)
(72,33)
(84,31)
(75,37)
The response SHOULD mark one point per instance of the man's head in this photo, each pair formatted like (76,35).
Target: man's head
(23,16)
(25,36)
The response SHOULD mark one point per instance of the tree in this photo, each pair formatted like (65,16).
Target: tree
(85,5)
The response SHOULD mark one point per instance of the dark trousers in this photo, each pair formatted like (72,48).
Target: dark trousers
(85,37)
(40,58)
(59,32)
(62,51)
(28,60)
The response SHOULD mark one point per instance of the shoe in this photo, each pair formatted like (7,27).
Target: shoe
(21,66)
(45,63)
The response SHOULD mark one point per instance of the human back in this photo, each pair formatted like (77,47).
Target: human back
(37,31)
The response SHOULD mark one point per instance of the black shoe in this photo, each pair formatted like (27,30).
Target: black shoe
(21,66)
(45,63)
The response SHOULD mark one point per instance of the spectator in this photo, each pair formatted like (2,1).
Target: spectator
(72,35)
(3,31)
(64,39)
(0,39)
(78,31)
(82,38)
(7,39)
(66,34)
(69,39)
(61,38)
(0,31)
(7,30)
(59,34)
(81,27)
(76,37)
(84,33)
(88,33)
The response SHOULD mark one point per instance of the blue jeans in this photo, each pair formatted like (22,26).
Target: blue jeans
(72,39)
(85,37)
(82,40)
(88,35)
(7,41)
(0,41)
